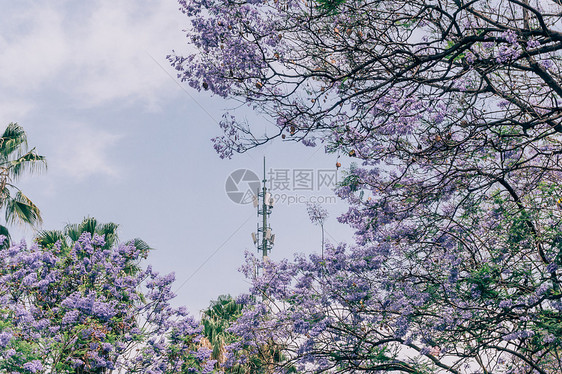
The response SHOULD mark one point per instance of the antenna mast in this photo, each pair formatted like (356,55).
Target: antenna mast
(263,201)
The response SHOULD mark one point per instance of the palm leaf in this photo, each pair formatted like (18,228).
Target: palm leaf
(109,232)
(6,242)
(30,161)
(72,233)
(4,195)
(75,230)
(216,320)
(48,238)
(142,246)
(14,159)
(13,138)
(72,230)
(91,225)
(21,209)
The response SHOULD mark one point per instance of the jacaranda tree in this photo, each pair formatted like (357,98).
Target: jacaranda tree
(452,109)
(91,309)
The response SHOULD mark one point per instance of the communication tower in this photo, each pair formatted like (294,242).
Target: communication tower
(263,201)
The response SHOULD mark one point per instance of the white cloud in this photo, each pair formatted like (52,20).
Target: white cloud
(33,49)
(85,55)
(95,52)
(114,55)
(13,110)
(83,152)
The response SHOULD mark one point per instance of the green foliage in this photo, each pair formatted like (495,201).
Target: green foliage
(216,320)
(351,180)
(15,159)
(24,351)
(72,232)
(330,6)
(454,56)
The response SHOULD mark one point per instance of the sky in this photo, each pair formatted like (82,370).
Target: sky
(125,142)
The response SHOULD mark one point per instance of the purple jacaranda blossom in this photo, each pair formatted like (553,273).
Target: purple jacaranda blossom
(5,338)
(316,213)
(84,309)
(33,366)
(454,126)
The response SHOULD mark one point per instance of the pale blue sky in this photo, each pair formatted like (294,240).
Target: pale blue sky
(125,143)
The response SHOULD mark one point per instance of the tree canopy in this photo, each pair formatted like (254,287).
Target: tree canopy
(373,68)
(88,308)
(453,111)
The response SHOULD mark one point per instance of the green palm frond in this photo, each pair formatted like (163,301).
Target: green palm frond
(14,160)
(6,242)
(224,308)
(72,230)
(72,233)
(5,195)
(20,209)
(48,238)
(29,161)
(142,246)
(13,138)
(91,225)
(217,319)
(109,232)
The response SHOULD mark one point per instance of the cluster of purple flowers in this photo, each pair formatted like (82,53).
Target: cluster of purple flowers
(91,309)
(455,122)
